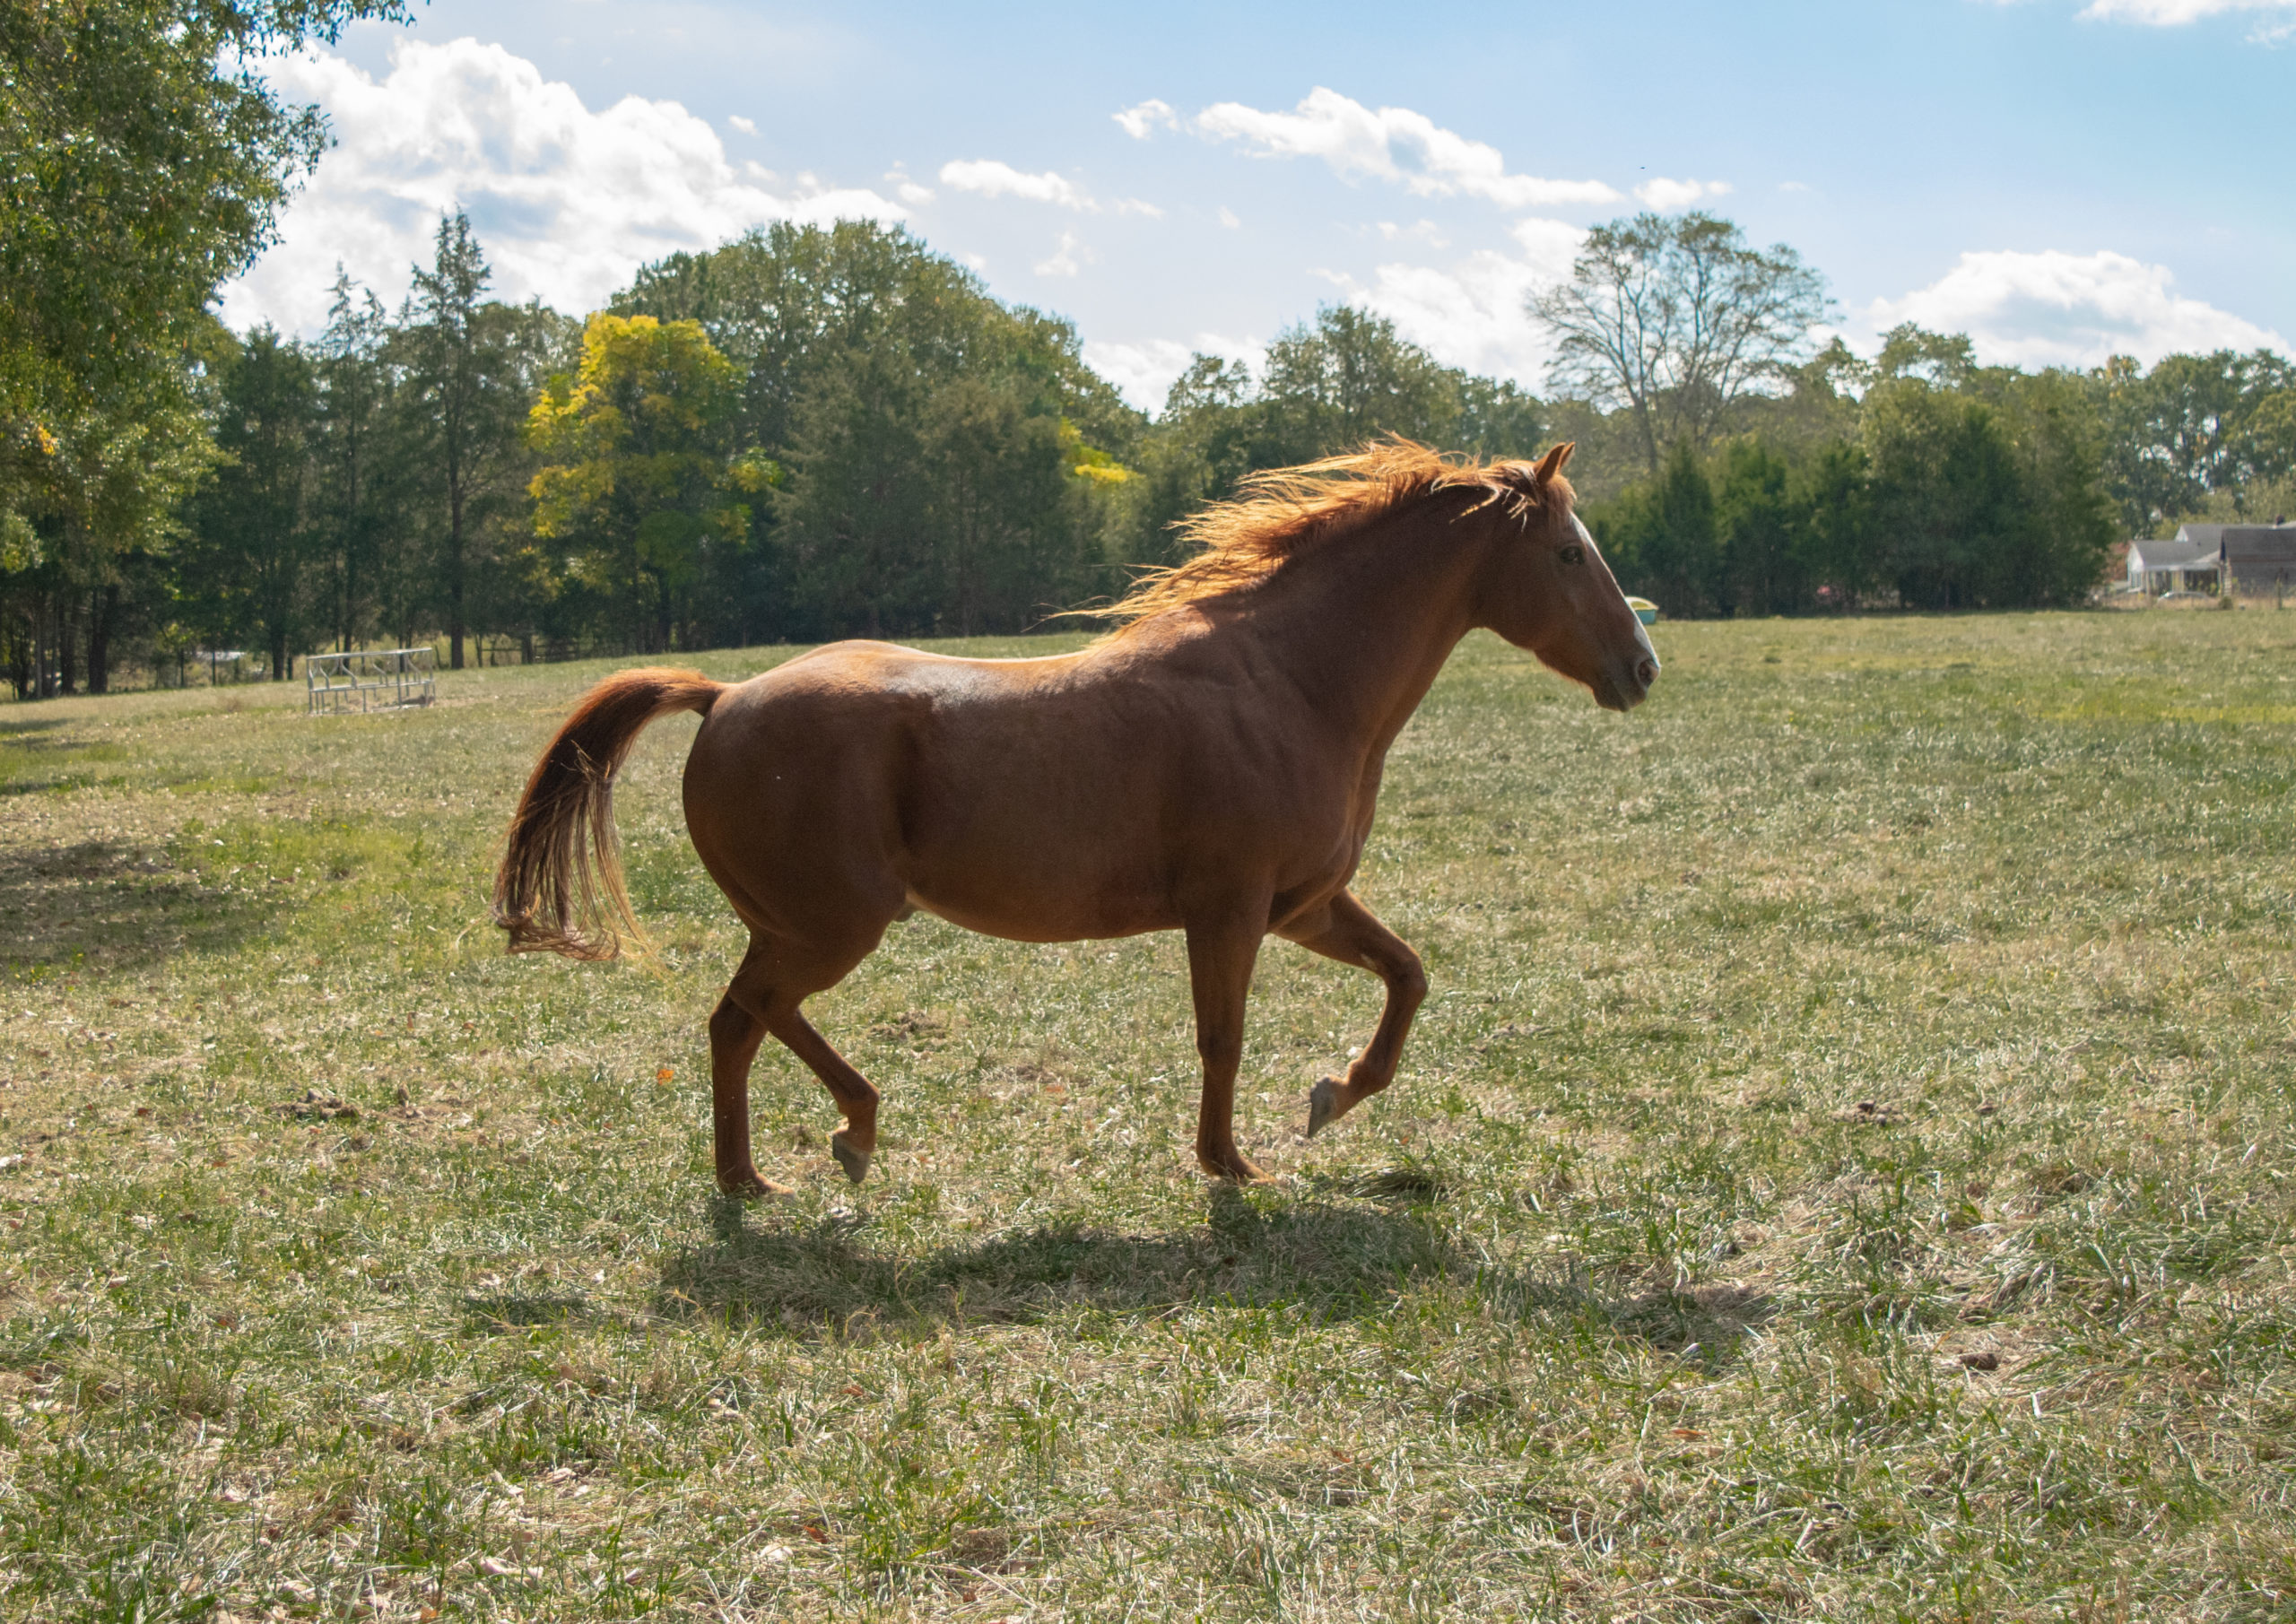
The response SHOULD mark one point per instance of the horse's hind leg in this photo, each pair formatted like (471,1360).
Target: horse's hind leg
(735,1035)
(1344,929)
(776,978)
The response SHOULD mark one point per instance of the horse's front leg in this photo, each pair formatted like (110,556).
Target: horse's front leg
(1344,929)
(1221,949)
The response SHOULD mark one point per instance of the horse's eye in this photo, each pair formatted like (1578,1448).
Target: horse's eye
(1574,554)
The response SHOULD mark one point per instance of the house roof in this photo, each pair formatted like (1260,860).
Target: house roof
(2179,554)
(2273,544)
(2204,535)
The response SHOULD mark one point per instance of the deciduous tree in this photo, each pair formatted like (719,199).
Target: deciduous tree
(2192,428)
(640,483)
(1347,378)
(1675,320)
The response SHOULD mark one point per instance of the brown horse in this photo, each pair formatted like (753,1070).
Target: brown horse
(1212,768)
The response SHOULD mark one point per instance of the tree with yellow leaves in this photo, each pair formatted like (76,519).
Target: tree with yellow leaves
(642,486)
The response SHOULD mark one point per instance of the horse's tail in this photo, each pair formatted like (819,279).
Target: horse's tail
(561,855)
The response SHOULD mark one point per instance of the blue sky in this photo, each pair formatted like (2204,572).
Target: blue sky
(2061,179)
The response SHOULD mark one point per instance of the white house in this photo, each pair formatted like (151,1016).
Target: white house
(2178,566)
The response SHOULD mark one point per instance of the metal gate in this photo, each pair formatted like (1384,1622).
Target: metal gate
(375,678)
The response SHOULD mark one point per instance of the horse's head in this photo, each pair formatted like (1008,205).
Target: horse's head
(1547,589)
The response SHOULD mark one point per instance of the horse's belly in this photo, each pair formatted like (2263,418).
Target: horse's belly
(1043,913)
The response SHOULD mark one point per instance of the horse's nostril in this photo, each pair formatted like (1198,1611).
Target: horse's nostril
(1647,672)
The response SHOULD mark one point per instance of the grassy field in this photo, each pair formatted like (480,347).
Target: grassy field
(1844,1171)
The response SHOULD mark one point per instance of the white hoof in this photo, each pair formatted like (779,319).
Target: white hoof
(1323,1105)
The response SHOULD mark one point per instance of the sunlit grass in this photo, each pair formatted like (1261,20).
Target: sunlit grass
(1843,1170)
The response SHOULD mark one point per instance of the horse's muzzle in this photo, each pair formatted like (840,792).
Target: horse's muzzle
(1628,683)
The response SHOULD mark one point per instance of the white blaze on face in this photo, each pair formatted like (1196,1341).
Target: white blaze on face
(1641,633)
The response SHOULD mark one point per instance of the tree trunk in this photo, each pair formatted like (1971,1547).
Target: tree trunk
(455,569)
(66,671)
(278,666)
(102,610)
(1649,431)
(352,534)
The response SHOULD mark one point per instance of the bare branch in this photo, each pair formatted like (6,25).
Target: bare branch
(1674,320)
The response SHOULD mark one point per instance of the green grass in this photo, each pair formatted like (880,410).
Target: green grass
(1843,1170)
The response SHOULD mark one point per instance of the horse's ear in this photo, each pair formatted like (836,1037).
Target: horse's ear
(1551,462)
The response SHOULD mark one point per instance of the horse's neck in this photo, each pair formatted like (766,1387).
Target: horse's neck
(1365,628)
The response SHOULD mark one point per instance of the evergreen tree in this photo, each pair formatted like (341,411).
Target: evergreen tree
(472,367)
(1758,530)
(244,561)
(351,470)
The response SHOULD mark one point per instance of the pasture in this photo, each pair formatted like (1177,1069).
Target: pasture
(1843,1170)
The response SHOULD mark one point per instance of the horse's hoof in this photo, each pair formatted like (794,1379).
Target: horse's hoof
(1323,1105)
(1234,1169)
(856,1163)
(752,1186)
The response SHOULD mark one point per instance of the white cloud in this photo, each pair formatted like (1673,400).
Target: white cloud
(991,178)
(566,201)
(1472,314)
(1228,218)
(1393,144)
(2054,308)
(1468,314)
(2275,19)
(748,127)
(913,194)
(1064,260)
(1145,371)
(2175,14)
(1138,122)
(1424,230)
(1663,194)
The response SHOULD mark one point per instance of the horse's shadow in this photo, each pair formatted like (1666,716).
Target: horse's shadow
(1324,1258)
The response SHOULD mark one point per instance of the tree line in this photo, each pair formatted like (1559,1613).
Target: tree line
(1917,480)
(1922,479)
(1733,466)
(805,433)
(813,432)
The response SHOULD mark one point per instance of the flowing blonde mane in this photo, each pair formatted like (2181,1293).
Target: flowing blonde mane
(1286,514)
